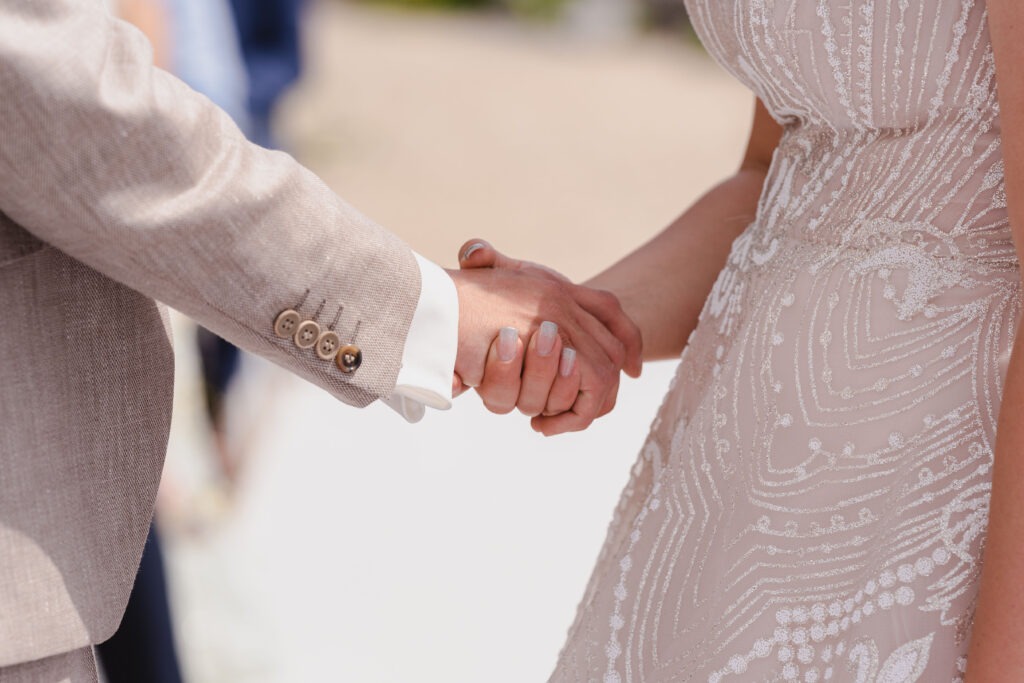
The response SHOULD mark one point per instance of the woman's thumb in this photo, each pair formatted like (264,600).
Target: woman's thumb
(480,254)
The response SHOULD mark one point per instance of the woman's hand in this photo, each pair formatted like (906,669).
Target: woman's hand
(603,306)
(546,374)
(540,378)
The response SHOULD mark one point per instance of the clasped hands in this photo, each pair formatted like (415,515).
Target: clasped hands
(531,339)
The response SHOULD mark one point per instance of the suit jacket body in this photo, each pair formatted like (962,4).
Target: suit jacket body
(119,186)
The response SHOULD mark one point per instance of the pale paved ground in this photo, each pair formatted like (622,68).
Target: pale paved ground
(359,548)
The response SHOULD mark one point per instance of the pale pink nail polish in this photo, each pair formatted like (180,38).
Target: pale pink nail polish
(507,338)
(567,362)
(546,338)
(472,249)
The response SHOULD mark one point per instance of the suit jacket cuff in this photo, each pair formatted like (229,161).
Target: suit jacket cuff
(428,360)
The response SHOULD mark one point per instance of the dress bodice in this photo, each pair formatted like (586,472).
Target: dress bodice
(873,65)
(890,115)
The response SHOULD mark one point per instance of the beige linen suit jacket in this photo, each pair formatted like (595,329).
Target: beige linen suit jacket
(120,186)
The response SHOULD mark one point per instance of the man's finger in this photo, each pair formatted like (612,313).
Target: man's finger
(606,308)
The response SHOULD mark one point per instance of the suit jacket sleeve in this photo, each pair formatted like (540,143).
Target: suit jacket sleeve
(124,168)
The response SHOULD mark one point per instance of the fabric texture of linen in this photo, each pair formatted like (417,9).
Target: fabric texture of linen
(118,186)
(812,500)
(78,666)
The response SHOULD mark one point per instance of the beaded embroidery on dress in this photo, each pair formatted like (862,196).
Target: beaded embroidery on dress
(812,499)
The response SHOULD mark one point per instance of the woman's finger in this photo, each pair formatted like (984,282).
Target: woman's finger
(540,368)
(598,378)
(612,346)
(585,409)
(569,421)
(566,387)
(477,253)
(607,309)
(499,388)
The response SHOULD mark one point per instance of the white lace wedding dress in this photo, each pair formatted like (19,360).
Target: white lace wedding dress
(812,500)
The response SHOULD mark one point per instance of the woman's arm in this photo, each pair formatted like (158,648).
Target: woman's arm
(996,652)
(663,284)
(149,17)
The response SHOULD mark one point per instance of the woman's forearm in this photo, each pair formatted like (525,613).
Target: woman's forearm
(150,18)
(996,654)
(663,284)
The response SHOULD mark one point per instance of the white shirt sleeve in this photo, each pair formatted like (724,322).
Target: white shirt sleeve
(428,360)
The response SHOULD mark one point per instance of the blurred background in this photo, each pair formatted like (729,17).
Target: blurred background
(306,541)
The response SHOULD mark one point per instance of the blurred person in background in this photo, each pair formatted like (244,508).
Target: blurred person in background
(244,55)
(269,33)
(143,648)
(204,51)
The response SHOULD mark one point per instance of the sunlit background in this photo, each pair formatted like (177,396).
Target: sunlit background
(351,546)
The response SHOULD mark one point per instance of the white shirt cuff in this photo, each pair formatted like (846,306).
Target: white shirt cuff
(428,360)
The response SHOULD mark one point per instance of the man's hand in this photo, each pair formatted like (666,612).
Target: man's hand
(496,292)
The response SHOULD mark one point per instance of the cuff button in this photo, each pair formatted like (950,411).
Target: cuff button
(307,334)
(286,323)
(349,358)
(327,345)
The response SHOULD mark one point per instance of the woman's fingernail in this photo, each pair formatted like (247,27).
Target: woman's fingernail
(546,338)
(507,339)
(471,249)
(567,362)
